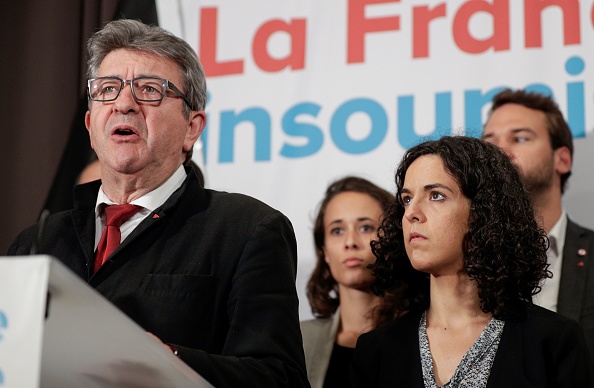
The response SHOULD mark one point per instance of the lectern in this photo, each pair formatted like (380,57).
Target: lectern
(57,331)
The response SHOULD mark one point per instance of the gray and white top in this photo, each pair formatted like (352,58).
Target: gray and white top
(474,368)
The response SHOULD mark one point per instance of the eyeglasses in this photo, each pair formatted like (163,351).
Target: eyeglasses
(145,89)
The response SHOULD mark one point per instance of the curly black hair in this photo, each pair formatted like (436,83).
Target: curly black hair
(322,289)
(504,248)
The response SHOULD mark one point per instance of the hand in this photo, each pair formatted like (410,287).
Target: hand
(168,347)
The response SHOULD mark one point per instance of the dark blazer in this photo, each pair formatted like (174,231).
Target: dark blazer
(576,288)
(544,350)
(211,273)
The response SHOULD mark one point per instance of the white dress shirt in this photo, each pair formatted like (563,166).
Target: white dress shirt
(549,294)
(149,202)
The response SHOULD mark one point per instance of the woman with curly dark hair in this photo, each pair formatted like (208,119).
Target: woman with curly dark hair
(462,240)
(347,220)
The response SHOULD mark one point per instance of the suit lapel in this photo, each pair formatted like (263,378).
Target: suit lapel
(574,269)
(84,225)
(507,365)
(83,219)
(322,351)
(119,256)
(148,222)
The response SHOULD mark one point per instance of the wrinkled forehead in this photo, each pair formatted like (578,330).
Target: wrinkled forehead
(128,64)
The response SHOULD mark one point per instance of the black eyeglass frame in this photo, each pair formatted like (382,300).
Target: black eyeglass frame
(166,85)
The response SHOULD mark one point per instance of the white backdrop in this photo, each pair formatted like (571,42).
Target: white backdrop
(304,92)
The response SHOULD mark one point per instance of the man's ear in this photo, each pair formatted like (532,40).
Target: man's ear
(88,125)
(562,160)
(196,124)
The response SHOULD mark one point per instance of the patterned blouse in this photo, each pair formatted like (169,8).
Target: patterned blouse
(474,368)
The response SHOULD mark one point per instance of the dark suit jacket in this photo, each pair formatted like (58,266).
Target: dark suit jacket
(211,273)
(544,350)
(576,288)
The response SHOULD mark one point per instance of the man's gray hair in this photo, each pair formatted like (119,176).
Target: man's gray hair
(136,36)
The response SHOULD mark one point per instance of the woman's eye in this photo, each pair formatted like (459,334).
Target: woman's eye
(436,196)
(336,231)
(406,200)
(368,228)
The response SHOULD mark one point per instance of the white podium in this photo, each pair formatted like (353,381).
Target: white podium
(84,341)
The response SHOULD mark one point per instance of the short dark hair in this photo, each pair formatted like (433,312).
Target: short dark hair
(322,289)
(504,248)
(559,132)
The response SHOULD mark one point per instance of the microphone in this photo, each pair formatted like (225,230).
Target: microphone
(33,251)
(40,228)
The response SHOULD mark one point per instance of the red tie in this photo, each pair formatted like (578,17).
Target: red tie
(115,216)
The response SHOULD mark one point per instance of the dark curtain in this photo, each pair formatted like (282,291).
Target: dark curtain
(42,105)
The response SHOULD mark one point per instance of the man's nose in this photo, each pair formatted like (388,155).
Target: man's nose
(126,102)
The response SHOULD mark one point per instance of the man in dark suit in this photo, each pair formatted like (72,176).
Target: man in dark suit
(210,274)
(531,130)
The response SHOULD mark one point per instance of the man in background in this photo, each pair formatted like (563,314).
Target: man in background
(210,274)
(531,130)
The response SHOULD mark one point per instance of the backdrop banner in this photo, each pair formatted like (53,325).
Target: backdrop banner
(304,92)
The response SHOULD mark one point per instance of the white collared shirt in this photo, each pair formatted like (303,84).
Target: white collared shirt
(149,202)
(549,294)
